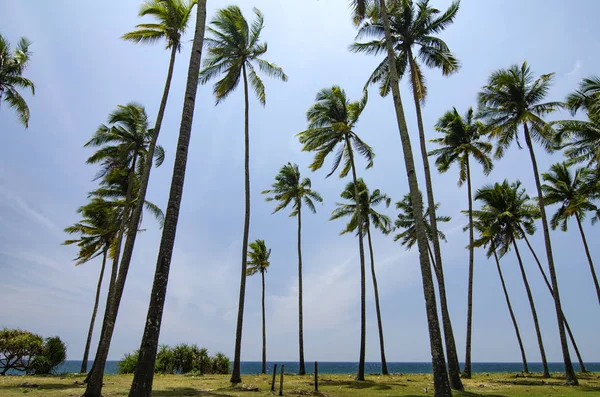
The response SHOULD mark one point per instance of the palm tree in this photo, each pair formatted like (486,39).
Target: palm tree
(513,98)
(12,66)
(484,226)
(440,373)
(331,123)
(511,215)
(406,220)
(460,142)
(144,372)
(587,97)
(259,263)
(97,231)
(233,50)
(123,149)
(289,188)
(380,222)
(572,191)
(581,139)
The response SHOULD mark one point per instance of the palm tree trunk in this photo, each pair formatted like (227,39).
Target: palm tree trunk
(453,365)
(363,290)
(569,371)
(589,257)
(568,328)
(302,369)
(467,368)
(384,368)
(235,374)
(512,314)
(86,352)
(533,312)
(144,372)
(438,360)
(264,327)
(95,377)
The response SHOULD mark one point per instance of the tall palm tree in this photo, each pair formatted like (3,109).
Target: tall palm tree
(487,235)
(331,123)
(509,212)
(572,191)
(233,50)
(581,139)
(144,371)
(370,217)
(258,262)
(97,231)
(12,66)
(398,30)
(462,141)
(290,188)
(123,149)
(513,98)
(587,97)
(406,220)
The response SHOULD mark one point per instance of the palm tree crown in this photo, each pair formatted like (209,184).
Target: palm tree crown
(406,220)
(574,193)
(330,121)
(289,187)
(587,97)
(367,201)
(412,24)
(233,49)
(12,66)
(258,257)
(172,18)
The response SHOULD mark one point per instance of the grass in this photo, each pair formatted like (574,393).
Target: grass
(489,385)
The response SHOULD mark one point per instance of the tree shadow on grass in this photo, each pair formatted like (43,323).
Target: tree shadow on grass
(46,386)
(188,391)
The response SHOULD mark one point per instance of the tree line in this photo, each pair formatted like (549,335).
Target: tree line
(512,106)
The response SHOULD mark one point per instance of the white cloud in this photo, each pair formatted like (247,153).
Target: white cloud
(576,68)
(19,205)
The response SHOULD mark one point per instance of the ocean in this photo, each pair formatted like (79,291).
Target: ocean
(254,367)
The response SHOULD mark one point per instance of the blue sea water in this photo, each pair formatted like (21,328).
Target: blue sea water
(254,367)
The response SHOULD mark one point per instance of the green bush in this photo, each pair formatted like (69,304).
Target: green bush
(219,364)
(128,363)
(23,351)
(165,360)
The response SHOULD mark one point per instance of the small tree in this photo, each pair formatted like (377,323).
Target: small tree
(18,348)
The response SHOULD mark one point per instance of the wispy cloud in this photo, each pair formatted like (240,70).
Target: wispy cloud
(576,68)
(20,206)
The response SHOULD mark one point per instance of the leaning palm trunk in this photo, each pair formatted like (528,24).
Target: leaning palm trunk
(569,371)
(93,320)
(144,372)
(440,374)
(536,323)
(302,369)
(363,303)
(589,257)
(115,292)
(264,327)
(512,314)
(384,368)
(236,373)
(467,368)
(453,365)
(568,328)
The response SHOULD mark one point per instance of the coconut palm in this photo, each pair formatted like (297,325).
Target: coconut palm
(508,211)
(144,371)
(290,188)
(581,139)
(123,147)
(399,28)
(486,237)
(233,51)
(462,141)
(331,123)
(97,231)
(574,194)
(406,220)
(370,217)
(258,262)
(12,66)
(513,98)
(587,97)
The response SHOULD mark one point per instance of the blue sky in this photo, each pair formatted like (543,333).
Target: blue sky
(82,70)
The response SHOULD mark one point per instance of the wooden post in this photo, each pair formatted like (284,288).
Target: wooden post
(281,381)
(274,374)
(316,377)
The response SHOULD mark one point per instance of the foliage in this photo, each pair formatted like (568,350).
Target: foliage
(181,359)
(12,66)
(289,187)
(581,139)
(165,360)
(258,257)
(406,220)
(128,363)
(18,348)
(587,97)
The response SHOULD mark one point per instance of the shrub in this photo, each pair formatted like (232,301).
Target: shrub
(220,364)
(18,348)
(165,360)
(128,363)
(54,353)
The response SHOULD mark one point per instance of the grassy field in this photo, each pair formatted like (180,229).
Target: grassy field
(492,385)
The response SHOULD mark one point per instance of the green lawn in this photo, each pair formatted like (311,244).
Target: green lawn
(492,385)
